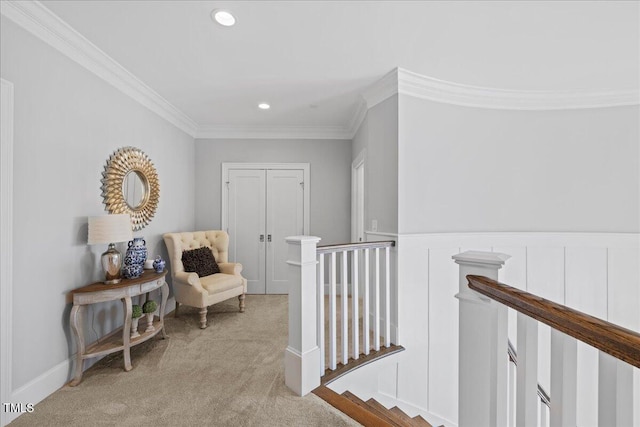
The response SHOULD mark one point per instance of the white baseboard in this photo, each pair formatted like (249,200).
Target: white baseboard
(40,387)
(52,380)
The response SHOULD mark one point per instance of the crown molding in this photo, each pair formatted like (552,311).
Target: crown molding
(36,18)
(357,118)
(382,89)
(412,84)
(272,132)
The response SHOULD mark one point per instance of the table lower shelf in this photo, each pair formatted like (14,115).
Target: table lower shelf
(114,341)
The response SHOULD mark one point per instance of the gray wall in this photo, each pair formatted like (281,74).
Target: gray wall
(470,169)
(330,164)
(378,136)
(67,123)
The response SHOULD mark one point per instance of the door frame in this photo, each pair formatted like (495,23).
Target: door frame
(358,162)
(6,244)
(224,191)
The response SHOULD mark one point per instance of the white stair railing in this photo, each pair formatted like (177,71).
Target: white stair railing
(309,265)
(483,399)
(376,300)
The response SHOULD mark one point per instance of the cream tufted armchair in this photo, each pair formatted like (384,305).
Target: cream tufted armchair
(201,292)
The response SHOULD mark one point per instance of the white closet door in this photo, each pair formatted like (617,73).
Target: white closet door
(285,217)
(246,225)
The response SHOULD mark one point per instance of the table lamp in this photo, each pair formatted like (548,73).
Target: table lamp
(109,229)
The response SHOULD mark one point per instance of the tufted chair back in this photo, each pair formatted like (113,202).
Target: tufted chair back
(216,240)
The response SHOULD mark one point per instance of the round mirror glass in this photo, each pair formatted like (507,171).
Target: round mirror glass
(134,189)
(130,185)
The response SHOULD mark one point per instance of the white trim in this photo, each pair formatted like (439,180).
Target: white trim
(6,243)
(42,386)
(272,132)
(357,163)
(36,18)
(384,88)
(413,84)
(382,233)
(357,118)
(226,167)
(530,238)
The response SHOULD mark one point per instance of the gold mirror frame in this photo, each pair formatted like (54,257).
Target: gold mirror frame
(120,163)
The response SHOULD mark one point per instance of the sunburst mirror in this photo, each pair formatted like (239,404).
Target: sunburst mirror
(130,186)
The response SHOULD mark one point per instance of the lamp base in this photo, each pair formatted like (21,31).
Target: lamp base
(112,264)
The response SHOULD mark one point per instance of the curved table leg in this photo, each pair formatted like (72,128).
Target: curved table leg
(126,330)
(75,320)
(163,307)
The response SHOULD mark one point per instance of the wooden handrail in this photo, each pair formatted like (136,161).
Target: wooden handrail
(615,340)
(351,246)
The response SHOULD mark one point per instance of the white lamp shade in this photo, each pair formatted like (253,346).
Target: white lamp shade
(110,229)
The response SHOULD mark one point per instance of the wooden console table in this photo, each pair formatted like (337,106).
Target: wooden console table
(125,290)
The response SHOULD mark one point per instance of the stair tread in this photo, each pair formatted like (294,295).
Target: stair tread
(352,408)
(406,418)
(378,409)
(419,421)
(370,413)
(393,416)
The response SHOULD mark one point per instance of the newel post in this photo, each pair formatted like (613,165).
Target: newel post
(482,374)
(302,356)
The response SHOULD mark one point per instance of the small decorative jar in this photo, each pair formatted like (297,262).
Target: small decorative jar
(158,264)
(132,271)
(136,256)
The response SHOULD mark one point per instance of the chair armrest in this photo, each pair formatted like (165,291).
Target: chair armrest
(234,268)
(191,279)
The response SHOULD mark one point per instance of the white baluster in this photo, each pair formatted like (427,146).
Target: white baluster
(376,303)
(527,372)
(366,298)
(512,394)
(344,299)
(321,336)
(387,299)
(563,392)
(332,313)
(354,300)
(615,391)
(544,415)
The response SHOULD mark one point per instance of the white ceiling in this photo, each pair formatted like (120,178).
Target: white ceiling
(311,60)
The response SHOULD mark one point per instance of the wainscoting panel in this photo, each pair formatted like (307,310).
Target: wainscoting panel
(598,273)
(443,312)
(586,290)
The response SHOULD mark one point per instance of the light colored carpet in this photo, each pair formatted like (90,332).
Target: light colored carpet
(230,374)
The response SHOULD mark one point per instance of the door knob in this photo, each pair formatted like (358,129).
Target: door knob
(269,238)
(262,237)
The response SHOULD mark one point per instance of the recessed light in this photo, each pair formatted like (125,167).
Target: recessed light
(223,17)
(264,106)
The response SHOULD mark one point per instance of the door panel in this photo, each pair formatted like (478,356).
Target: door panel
(285,204)
(246,219)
